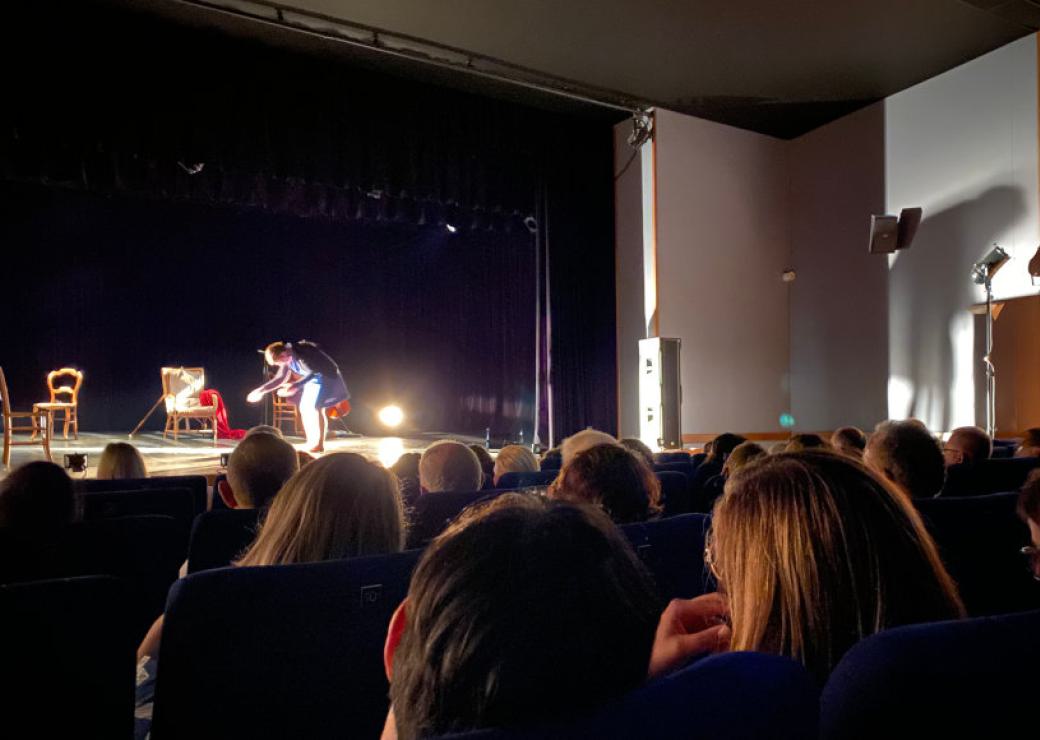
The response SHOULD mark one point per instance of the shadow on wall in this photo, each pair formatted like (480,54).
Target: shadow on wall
(930,290)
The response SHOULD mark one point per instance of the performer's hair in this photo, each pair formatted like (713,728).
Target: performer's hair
(274,349)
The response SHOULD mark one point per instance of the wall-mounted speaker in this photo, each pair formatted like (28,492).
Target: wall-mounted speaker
(888,233)
(660,393)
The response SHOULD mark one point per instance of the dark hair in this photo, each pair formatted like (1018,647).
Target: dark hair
(1029,498)
(407,466)
(523,611)
(638,447)
(611,477)
(722,445)
(806,441)
(850,440)
(907,454)
(974,443)
(37,497)
(258,468)
(486,463)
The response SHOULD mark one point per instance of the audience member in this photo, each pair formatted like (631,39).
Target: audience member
(805,441)
(612,478)
(481,642)
(407,471)
(907,455)
(849,441)
(265,429)
(967,445)
(718,450)
(639,447)
(487,465)
(1030,446)
(815,554)
(742,454)
(552,459)
(583,440)
(257,469)
(514,459)
(37,499)
(448,466)
(1029,511)
(121,460)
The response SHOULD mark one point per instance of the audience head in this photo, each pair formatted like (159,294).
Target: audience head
(407,465)
(582,441)
(552,458)
(612,478)
(487,464)
(257,469)
(1030,446)
(120,460)
(742,454)
(849,441)
(1029,511)
(37,498)
(449,467)
(806,441)
(907,455)
(638,447)
(837,556)
(722,445)
(524,611)
(514,459)
(339,506)
(265,429)
(967,445)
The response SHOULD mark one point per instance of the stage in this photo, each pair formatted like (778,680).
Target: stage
(194,454)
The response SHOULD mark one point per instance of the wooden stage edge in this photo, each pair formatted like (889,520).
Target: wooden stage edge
(194,453)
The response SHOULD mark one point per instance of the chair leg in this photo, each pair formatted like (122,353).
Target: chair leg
(47,438)
(66,427)
(176,427)
(7,443)
(213,423)
(75,422)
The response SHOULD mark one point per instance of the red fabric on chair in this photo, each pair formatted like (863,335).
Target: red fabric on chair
(224,431)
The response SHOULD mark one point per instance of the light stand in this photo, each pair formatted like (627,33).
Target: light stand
(982,273)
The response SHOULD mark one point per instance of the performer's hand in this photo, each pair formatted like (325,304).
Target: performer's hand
(285,391)
(254,397)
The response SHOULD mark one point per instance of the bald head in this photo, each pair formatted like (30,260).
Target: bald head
(584,440)
(968,445)
(448,466)
(258,467)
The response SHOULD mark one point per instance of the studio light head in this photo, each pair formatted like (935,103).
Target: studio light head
(987,267)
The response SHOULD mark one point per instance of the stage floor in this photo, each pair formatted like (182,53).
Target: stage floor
(194,454)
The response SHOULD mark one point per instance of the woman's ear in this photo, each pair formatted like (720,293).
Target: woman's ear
(398,622)
(224,489)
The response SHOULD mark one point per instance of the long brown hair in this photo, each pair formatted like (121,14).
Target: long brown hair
(816,553)
(337,507)
(613,478)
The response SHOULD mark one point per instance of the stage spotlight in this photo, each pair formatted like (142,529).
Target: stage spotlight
(451,229)
(391,416)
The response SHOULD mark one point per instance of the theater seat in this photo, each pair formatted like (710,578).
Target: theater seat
(218,537)
(973,678)
(670,457)
(432,512)
(292,651)
(176,503)
(979,538)
(66,659)
(735,696)
(673,551)
(675,493)
(195,483)
(526,479)
(988,476)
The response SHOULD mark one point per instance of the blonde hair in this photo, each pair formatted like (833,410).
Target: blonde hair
(339,506)
(121,460)
(514,459)
(742,454)
(815,553)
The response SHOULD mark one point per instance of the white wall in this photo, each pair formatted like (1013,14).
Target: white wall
(628,235)
(722,244)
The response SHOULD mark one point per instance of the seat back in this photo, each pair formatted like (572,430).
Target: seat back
(673,551)
(970,678)
(734,696)
(670,457)
(526,479)
(70,389)
(279,651)
(432,512)
(195,483)
(674,467)
(68,659)
(177,503)
(675,493)
(988,476)
(218,537)
(182,386)
(979,538)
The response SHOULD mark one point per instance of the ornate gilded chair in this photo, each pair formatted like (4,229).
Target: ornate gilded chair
(181,389)
(37,424)
(63,398)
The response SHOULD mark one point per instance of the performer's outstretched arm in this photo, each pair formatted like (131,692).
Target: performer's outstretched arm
(280,379)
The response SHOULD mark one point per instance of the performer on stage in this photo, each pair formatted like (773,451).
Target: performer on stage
(320,388)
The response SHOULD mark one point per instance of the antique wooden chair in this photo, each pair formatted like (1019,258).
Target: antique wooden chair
(70,403)
(35,422)
(181,389)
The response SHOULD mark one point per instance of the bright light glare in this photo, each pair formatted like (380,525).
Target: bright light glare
(390,449)
(451,229)
(391,416)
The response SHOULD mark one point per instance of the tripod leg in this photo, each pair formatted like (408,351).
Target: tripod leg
(145,417)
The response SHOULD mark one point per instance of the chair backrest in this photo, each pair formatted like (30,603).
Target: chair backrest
(176,503)
(988,476)
(70,390)
(734,696)
(5,399)
(182,385)
(674,467)
(218,537)
(526,479)
(979,538)
(670,457)
(197,484)
(673,550)
(68,659)
(279,651)
(432,511)
(675,492)
(970,678)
